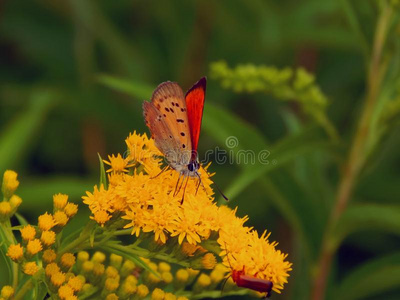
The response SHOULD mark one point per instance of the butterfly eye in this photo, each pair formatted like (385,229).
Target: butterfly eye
(191,167)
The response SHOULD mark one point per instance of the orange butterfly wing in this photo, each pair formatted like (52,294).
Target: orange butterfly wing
(195,104)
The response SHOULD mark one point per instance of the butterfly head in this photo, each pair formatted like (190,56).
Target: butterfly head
(192,168)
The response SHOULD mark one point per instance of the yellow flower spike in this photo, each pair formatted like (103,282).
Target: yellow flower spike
(164,267)
(99,257)
(202,283)
(5,210)
(51,269)
(60,218)
(60,201)
(28,232)
(127,267)
(117,164)
(10,183)
(33,247)
(77,282)
(46,222)
(57,278)
(30,268)
(157,294)
(111,272)
(169,296)
(111,284)
(98,269)
(71,209)
(167,277)
(7,292)
(142,291)
(67,261)
(65,291)
(15,252)
(112,296)
(209,261)
(15,202)
(48,238)
(116,261)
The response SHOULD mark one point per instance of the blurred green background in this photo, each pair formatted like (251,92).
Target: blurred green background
(74,74)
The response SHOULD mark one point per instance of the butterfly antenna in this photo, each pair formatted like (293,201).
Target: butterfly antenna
(222,194)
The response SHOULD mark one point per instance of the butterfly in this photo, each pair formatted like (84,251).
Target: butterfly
(174,120)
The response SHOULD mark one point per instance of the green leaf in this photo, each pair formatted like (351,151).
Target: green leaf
(15,138)
(133,88)
(366,217)
(371,279)
(103,177)
(21,219)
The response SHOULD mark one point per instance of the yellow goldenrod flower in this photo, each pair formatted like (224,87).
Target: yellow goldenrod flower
(101,217)
(15,252)
(111,272)
(111,284)
(82,256)
(182,298)
(30,268)
(169,296)
(164,267)
(76,282)
(60,201)
(57,278)
(131,279)
(28,232)
(5,210)
(167,277)
(128,288)
(65,291)
(7,292)
(98,269)
(51,269)
(116,261)
(49,256)
(15,202)
(10,183)
(87,266)
(67,260)
(33,247)
(99,257)
(118,164)
(142,291)
(209,261)
(112,296)
(157,294)
(188,249)
(71,209)
(72,297)
(182,275)
(46,222)
(203,281)
(48,238)
(152,279)
(217,276)
(60,218)
(127,267)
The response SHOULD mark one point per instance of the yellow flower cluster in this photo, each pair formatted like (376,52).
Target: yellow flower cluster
(10,202)
(146,198)
(43,236)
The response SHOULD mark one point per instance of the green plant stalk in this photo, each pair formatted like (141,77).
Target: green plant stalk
(84,236)
(357,154)
(24,289)
(11,240)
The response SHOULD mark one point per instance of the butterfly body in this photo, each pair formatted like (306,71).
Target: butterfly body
(174,120)
(253,283)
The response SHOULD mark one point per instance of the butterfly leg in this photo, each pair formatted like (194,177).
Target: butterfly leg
(176,191)
(162,171)
(184,189)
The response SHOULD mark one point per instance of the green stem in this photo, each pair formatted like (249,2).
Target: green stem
(10,241)
(83,237)
(24,289)
(358,151)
